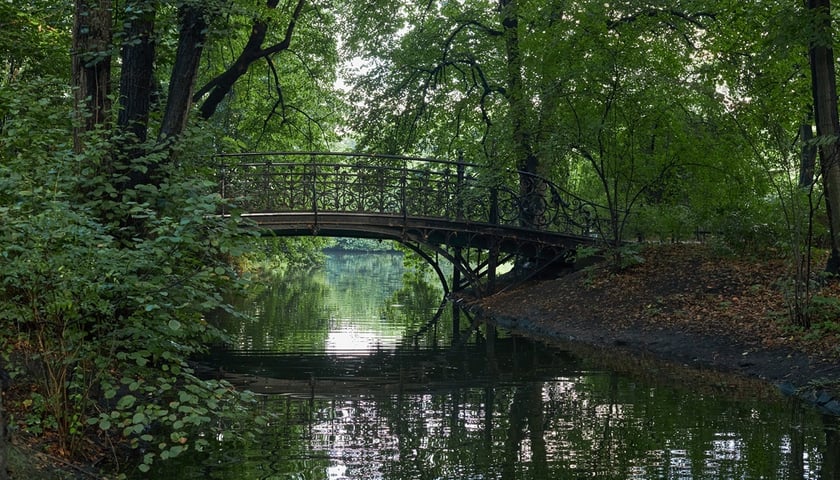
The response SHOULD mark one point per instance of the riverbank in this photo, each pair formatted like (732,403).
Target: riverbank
(686,304)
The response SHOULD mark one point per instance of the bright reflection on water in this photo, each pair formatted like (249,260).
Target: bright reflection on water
(358,384)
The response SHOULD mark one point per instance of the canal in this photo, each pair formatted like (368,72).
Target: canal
(356,383)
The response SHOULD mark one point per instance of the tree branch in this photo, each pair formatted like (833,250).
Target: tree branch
(218,88)
(694,19)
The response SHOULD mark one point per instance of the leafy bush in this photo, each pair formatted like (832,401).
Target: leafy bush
(363,245)
(268,254)
(103,318)
(753,228)
(663,223)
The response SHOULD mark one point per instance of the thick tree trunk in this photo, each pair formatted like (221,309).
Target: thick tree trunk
(91,66)
(824,89)
(182,82)
(527,160)
(136,86)
(136,78)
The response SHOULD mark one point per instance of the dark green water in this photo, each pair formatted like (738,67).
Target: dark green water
(353,391)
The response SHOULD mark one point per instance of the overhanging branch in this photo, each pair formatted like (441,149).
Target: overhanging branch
(695,19)
(217,88)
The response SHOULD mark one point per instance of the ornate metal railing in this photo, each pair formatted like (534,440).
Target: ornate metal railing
(280,182)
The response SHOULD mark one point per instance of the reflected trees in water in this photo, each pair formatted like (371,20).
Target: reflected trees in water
(523,410)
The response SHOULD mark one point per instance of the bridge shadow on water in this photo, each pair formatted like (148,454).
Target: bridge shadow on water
(404,369)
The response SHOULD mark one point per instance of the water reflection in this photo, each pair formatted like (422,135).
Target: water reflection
(356,304)
(353,393)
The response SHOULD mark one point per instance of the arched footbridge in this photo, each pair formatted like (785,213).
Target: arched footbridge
(473,216)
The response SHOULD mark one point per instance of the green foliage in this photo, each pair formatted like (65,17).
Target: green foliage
(432,66)
(606,120)
(32,34)
(751,229)
(363,244)
(824,315)
(273,253)
(629,256)
(674,223)
(287,102)
(103,314)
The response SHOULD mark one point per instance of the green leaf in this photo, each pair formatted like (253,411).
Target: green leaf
(139,418)
(126,402)
(104,423)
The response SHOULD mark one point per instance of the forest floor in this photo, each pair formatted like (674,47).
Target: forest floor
(689,305)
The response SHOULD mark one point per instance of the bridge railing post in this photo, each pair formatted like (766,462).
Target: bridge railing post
(313,179)
(223,186)
(265,198)
(459,186)
(403,193)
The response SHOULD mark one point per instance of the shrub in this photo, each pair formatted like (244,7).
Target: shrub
(104,323)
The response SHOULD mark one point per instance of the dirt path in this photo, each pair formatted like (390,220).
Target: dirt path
(686,305)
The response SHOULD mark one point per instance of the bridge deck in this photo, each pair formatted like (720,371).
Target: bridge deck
(426,230)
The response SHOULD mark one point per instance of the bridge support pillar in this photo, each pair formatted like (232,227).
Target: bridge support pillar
(492,263)
(458,255)
(456,284)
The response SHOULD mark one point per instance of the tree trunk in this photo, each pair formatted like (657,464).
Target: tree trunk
(136,86)
(808,154)
(91,66)
(824,90)
(182,82)
(526,158)
(136,78)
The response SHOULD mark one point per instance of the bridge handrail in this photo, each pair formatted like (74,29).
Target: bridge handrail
(383,156)
(457,190)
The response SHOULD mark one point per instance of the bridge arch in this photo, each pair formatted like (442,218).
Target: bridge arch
(466,213)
